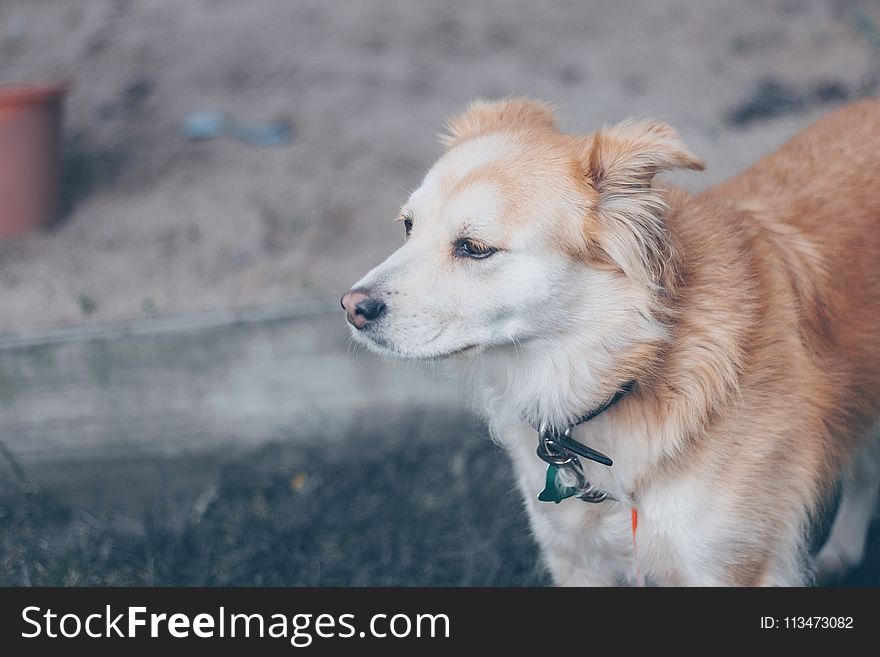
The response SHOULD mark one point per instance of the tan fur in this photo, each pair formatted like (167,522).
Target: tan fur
(773,372)
(484,116)
(621,163)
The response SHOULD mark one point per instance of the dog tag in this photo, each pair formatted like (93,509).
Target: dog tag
(553,490)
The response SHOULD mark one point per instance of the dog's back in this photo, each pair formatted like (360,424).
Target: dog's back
(820,194)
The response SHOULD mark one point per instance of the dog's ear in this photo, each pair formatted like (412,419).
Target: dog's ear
(620,163)
(484,116)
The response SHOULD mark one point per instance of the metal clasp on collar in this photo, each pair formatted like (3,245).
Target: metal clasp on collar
(551,452)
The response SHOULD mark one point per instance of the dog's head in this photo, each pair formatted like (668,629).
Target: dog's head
(521,233)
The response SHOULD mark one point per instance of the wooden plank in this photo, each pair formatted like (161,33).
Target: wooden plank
(166,386)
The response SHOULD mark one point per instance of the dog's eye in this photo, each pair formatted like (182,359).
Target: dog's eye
(407,225)
(471,248)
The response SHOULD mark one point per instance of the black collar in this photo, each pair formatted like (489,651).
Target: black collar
(560,452)
(625,388)
(563,437)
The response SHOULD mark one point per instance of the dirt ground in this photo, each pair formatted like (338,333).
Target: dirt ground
(156,223)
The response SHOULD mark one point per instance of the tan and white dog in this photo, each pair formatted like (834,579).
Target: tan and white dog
(555,270)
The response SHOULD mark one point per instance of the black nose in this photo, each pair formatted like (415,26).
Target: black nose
(362,307)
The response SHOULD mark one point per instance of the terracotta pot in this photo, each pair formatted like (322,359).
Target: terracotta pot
(30,155)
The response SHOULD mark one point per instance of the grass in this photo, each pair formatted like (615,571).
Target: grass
(370,512)
(412,510)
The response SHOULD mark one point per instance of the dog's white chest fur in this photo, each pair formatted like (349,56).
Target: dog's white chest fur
(592,544)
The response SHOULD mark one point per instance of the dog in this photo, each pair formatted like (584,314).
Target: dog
(692,379)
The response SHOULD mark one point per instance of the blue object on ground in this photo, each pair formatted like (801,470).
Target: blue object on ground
(210,124)
(204,125)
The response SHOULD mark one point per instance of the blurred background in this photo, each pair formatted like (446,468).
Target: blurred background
(179,403)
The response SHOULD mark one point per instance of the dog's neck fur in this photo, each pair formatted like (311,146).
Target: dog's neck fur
(558,380)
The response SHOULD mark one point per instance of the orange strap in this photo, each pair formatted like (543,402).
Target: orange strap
(635,525)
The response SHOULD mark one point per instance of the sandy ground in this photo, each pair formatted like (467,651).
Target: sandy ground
(156,223)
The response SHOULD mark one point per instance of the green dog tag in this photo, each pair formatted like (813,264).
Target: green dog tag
(553,491)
